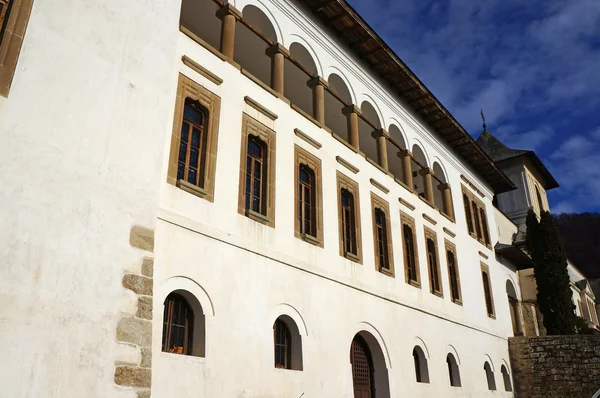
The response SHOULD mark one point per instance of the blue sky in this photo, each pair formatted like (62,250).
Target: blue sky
(532,65)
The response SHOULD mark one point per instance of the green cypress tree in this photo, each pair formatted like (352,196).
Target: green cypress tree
(550,271)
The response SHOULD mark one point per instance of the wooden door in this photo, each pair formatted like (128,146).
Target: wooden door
(362,369)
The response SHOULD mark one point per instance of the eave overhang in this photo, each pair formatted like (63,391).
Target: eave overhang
(512,253)
(369,47)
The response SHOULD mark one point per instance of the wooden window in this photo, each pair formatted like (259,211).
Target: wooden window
(539,199)
(476,215)
(453,274)
(283,345)
(487,291)
(489,375)
(349,218)
(506,378)
(178,321)
(14,17)
(257,172)
(362,369)
(435,282)
(411,261)
(193,155)
(453,371)
(421,368)
(468,214)
(384,260)
(309,210)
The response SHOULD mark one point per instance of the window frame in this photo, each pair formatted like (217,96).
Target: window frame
(303,157)
(408,221)
(476,218)
(345,183)
(451,248)
(287,345)
(253,128)
(378,203)
(485,270)
(188,327)
(11,41)
(189,89)
(431,235)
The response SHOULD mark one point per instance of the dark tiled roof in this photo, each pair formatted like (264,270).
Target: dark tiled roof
(365,44)
(500,152)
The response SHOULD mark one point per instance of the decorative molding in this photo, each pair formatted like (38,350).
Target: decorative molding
(204,44)
(406,204)
(379,185)
(482,254)
(254,104)
(472,186)
(347,164)
(307,138)
(190,63)
(427,218)
(306,115)
(452,234)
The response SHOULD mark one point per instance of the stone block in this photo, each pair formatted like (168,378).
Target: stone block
(142,238)
(138,284)
(135,331)
(143,394)
(146,358)
(144,310)
(148,267)
(130,376)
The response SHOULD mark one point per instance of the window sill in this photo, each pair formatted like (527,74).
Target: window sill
(448,217)
(414,283)
(428,202)
(192,358)
(310,239)
(352,257)
(457,302)
(251,214)
(437,294)
(306,115)
(286,369)
(386,272)
(492,316)
(191,188)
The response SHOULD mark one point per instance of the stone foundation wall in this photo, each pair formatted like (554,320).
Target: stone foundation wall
(555,366)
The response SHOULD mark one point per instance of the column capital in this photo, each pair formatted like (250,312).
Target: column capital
(228,9)
(277,48)
(380,133)
(444,186)
(317,81)
(403,153)
(425,171)
(351,109)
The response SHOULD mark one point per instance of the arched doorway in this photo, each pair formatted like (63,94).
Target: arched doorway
(362,369)
(369,367)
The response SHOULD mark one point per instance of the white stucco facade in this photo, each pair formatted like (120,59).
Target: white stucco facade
(86,132)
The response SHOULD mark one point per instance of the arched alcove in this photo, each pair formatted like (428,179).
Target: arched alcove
(395,145)
(369,369)
(367,143)
(513,303)
(287,344)
(439,178)
(334,117)
(421,366)
(506,378)
(250,49)
(199,18)
(489,375)
(419,162)
(453,370)
(184,326)
(295,80)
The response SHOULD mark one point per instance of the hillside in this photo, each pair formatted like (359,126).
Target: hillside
(580,234)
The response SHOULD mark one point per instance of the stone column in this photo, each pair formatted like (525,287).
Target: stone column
(447,200)
(277,52)
(228,14)
(318,85)
(352,111)
(407,175)
(381,136)
(427,174)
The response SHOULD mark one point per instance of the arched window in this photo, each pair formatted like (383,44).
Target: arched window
(306,201)
(178,321)
(348,222)
(506,378)
(421,369)
(283,345)
(192,144)
(362,368)
(513,303)
(453,371)
(539,199)
(489,375)
(256,175)
(409,254)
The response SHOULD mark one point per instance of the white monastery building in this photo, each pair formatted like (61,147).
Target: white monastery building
(250,199)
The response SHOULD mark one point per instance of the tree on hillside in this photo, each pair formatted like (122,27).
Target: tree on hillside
(550,271)
(580,234)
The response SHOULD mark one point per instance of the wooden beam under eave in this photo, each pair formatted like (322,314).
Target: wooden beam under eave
(324,5)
